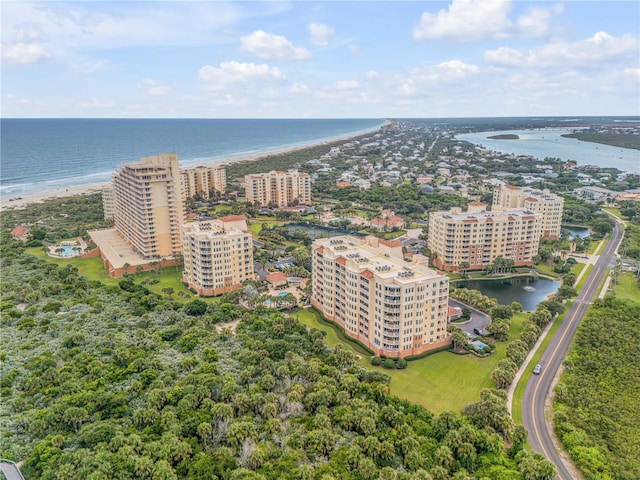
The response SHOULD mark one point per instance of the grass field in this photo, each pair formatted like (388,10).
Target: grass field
(584,278)
(627,287)
(440,382)
(92,269)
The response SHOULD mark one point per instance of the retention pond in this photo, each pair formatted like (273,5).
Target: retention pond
(529,290)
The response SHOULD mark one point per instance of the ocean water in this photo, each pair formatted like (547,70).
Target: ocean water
(550,143)
(42,155)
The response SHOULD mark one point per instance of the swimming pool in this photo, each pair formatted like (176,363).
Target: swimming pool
(283,294)
(68,250)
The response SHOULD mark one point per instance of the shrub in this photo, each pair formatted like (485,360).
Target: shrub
(389,363)
(376,361)
(402,364)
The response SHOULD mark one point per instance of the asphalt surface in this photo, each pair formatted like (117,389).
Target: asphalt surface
(10,471)
(539,386)
(478,319)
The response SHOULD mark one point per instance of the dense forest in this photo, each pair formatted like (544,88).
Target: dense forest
(597,409)
(114,382)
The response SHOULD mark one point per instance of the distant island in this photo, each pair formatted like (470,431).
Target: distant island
(506,136)
(622,140)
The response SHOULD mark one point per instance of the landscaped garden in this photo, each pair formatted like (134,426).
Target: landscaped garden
(442,381)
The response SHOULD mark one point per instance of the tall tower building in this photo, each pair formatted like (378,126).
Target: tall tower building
(148,205)
(396,308)
(278,188)
(218,255)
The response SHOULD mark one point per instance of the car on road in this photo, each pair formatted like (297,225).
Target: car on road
(537,369)
(478,331)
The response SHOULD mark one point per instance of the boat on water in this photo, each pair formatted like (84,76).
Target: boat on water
(529,288)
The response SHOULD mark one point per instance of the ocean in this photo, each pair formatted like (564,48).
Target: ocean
(43,155)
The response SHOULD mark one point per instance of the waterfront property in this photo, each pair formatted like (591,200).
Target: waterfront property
(395,308)
(528,291)
(277,188)
(218,255)
(145,202)
(478,237)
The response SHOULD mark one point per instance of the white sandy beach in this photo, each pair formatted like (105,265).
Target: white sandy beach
(22,201)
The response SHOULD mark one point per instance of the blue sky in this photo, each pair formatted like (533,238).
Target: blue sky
(464,58)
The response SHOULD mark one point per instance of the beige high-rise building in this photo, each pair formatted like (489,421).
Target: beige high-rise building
(396,308)
(547,204)
(479,237)
(218,255)
(149,206)
(108,202)
(278,188)
(202,180)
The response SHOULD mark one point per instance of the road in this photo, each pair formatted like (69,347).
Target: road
(10,470)
(539,386)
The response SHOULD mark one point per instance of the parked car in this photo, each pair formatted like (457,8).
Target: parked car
(478,331)
(537,369)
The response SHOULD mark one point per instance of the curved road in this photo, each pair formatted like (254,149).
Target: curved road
(539,386)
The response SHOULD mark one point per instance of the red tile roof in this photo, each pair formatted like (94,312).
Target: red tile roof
(232,218)
(19,231)
(276,278)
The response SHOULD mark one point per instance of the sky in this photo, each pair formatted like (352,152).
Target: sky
(307,59)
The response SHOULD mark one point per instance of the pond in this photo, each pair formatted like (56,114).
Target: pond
(315,231)
(576,231)
(529,291)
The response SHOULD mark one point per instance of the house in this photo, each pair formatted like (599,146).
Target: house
(21,233)
(387,221)
(277,280)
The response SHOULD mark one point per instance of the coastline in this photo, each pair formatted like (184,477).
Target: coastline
(23,201)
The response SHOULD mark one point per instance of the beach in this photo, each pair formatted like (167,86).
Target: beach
(24,200)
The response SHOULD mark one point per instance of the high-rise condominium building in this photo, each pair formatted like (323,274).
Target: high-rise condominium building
(547,204)
(202,180)
(396,308)
(148,206)
(218,255)
(108,202)
(278,188)
(478,237)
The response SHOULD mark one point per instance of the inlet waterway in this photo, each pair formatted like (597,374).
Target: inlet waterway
(529,290)
(549,143)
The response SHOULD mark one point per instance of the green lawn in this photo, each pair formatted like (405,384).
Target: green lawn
(442,381)
(92,269)
(584,278)
(255,226)
(614,211)
(627,287)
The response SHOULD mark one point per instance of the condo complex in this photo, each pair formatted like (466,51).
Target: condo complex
(278,189)
(394,307)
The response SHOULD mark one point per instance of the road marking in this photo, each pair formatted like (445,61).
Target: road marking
(569,322)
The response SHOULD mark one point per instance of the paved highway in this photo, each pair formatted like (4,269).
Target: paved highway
(539,386)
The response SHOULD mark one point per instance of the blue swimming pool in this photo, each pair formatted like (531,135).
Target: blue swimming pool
(68,250)
(282,294)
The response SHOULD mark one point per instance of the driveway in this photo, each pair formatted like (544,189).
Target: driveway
(478,319)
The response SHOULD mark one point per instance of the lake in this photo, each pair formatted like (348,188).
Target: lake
(315,231)
(575,231)
(541,144)
(529,291)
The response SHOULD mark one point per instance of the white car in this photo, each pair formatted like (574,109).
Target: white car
(537,369)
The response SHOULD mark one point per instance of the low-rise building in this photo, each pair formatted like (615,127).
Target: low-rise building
(218,255)
(394,307)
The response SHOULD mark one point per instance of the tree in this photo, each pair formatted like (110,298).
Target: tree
(463,267)
(195,308)
(458,337)
(499,329)
(169,291)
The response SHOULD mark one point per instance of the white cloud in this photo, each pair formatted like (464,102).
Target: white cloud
(371,74)
(25,53)
(592,51)
(347,85)
(321,34)
(154,88)
(230,73)
(458,68)
(300,89)
(468,20)
(268,46)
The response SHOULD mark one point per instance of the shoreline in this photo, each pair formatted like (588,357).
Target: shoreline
(28,199)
